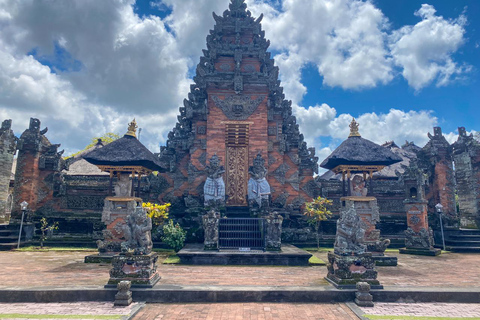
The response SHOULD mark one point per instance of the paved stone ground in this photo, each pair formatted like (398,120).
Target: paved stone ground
(452,310)
(60,269)
(87,309)
(246,311)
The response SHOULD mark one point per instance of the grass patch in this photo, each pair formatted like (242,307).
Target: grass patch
(172,259)
(314,261)
(391,250)
(46,249)
(162,250)
(321,249)
(385,317)
(57,316)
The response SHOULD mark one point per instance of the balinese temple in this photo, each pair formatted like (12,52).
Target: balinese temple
(236,112)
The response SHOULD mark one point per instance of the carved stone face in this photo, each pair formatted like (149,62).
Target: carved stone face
(34,124)
(7,124)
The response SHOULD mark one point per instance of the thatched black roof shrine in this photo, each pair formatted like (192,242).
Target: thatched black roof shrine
(357,151)
(125,152)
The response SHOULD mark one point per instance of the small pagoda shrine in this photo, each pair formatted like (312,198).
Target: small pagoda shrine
(357,243)
(127,238)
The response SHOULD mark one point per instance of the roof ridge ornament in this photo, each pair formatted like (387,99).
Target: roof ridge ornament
(132,129)
(354,129)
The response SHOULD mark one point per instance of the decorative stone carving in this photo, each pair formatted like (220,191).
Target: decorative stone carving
(141,270)
(422,239)
(350,236)
(363,298)
(345,272)
(258,186)
(124,296)
(358,187)
(238,107)
(138,234)
(214,188)
(273,236)
(210,227)
(123,187)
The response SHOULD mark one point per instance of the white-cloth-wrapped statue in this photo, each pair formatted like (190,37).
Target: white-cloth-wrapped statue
(258,187)
(214,188)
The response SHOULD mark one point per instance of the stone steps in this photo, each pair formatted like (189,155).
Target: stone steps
(463,240)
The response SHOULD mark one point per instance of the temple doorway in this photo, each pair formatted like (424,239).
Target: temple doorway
(236,144)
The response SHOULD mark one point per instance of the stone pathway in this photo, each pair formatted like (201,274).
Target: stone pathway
(80,310)
(66,269)
(246,311)
(451,310)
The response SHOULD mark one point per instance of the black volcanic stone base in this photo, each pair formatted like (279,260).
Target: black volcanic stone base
(289,256)
(140,270)
(99,258)
(421,252)
(385,261)
(345,271)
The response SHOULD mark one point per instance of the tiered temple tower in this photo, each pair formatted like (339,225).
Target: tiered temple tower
(39,165)
(466,155)
(236,109)
(8,147)
(435,158)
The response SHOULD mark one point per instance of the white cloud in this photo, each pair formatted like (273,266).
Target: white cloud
(424,51)
(135,66)
(343,38)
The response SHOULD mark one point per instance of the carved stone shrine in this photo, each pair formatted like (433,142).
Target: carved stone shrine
(418,236)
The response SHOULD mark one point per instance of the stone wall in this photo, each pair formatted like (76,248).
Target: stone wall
(466,155)
(8,145)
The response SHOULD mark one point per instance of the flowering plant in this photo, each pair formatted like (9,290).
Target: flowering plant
(157,212)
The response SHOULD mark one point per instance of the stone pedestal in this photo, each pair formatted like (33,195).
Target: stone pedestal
(273,236)
(210,227)
(345,271)
(418,236)
(140,270)
(124,296)
(367,209)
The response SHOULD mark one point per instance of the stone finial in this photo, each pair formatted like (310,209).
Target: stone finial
(132,129)
(363,298)
(354,129)
(124,296)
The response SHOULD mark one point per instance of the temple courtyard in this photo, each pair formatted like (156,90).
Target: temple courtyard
(60,283)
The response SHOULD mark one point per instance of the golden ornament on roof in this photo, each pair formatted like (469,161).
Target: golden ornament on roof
(354,129)
(132,129)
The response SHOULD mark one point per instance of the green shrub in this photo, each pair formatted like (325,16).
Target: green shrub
(174,235)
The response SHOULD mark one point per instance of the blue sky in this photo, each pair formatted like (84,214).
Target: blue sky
(86,68)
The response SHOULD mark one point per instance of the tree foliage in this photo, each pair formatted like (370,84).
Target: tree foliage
(106,139)
(316,212)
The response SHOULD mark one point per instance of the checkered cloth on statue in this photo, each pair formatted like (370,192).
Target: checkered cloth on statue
(214,189)
(258,190)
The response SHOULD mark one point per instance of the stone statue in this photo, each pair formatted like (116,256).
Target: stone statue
(123,187)
(210,226)
(421,240)
(258,187)
(214,188)
(273,237)
(350,237)
(138,233)
(357,187)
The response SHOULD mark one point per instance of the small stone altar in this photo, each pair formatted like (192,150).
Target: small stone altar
(137,263)
(124,159)
(350,262)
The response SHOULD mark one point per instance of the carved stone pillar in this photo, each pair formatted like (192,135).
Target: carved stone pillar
(273,236)
(8,146)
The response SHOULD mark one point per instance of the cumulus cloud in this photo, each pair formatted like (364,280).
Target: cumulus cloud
(344,39)
(129,66)
(424,51)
